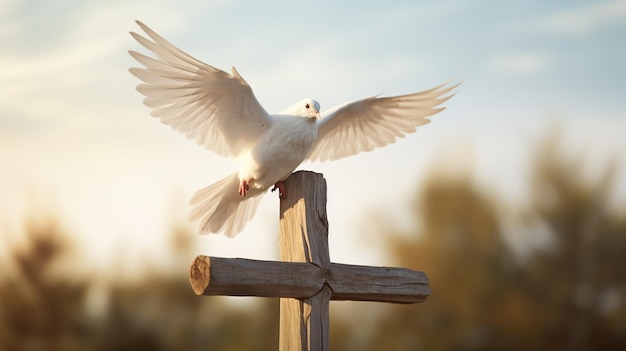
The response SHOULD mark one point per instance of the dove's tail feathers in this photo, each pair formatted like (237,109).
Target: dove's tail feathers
(220,208)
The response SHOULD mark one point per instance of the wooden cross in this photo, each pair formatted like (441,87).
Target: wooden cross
(306,280)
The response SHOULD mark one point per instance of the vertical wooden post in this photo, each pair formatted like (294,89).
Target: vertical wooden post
(304,323)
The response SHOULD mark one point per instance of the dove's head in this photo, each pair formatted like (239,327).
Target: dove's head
(308,108)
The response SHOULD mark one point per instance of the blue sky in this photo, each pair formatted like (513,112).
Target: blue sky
(75,136)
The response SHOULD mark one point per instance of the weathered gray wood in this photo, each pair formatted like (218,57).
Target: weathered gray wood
(304,323)
(382,284)
(244,277)
(303,212)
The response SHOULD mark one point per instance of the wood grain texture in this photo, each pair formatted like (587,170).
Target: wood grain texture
(302,213)
(244,277)
(304,323)
(382,284)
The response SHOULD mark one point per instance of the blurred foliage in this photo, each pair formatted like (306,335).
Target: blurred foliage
(569,293)
(566,293)
(43,308)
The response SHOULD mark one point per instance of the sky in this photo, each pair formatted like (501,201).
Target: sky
(76,141)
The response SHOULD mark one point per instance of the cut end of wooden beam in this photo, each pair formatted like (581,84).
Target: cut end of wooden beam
(244,277)
(200,274)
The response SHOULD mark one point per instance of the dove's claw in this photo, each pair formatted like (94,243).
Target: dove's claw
(243,188)
(281,189)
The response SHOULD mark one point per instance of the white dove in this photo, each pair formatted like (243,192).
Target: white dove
(220,112)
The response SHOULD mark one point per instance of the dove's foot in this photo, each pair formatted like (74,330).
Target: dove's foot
(243,188)
(281,189)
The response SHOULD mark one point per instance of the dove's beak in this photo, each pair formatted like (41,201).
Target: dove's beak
(318,115)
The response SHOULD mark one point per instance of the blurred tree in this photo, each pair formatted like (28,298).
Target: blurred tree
(161,312)
(468,263)
(568,294)
(41,303)
(571,285)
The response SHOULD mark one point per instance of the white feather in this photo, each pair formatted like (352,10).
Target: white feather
(220,208)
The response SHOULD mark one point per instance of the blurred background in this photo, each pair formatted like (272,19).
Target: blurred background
(513,200)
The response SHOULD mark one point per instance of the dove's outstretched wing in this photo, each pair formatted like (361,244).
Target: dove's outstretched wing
(366,124)
(216,109)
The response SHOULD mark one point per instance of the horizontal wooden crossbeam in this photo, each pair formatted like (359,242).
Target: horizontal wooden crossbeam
(245,277)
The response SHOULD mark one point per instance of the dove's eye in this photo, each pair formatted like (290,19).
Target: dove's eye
(307,106)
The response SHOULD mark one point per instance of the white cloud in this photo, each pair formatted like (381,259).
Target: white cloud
(521,62)
(586,19)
